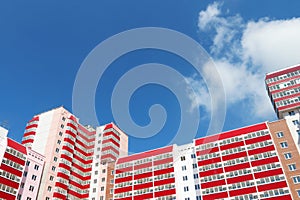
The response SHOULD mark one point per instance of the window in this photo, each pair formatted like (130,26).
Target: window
(60,133)
(51,178)
(111,181)
(279,134)
(58,141)
(102,188)
(292,167)
(53,168)
(288,156)
(193,156)
(298,192)
(292,113)
(194,165)
(103,179)
(111,191)
(101,198)
(182,158)
(49,188)
(186,188)
(22,185)
(47,198)
(96,172)
(33,177)
(36,167)
(183,168)
(296,122)
(284,144)
(27,163)
(198,197)
(103,170)
(95,180)
(28,198)
(112,172)
(196,176)
(57,150)
(298,131)
(25,174)
(55,159)
(62,126)
(31,188)
(187,198)
(185,178)
(197,187)
(296,179)
(94,190)
(63,118)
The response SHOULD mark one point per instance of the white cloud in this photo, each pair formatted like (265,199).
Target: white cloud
(244,52)
(272,44)
(224,29)
(209,15)
(198,93)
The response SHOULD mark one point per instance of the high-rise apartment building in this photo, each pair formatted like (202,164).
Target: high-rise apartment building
(20,170)
(75,155)
(283,88)
(248,163)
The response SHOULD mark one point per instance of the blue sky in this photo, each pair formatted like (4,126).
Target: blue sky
(43,45)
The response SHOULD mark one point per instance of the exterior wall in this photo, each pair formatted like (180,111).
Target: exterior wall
(110,143)
(67,147)
(30,131)
(123,151)
(292,120)
(97,167)
(147,175)
(110,181)
(32,176)
(284,89)
(114,143)
(3,141)
(11,169)
(45,142)
(241,164)
(281,133)
(186,172)
(83,163)
(73,154)
(14,173)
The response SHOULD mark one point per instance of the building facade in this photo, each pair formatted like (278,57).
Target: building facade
(75,155)
(20,170)
(283,88)
(246,163)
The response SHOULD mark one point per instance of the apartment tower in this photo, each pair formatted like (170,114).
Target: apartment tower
(74,154)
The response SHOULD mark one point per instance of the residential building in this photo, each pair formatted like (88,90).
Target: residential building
(246,163)
(283,88)
(20,170)
(73,154)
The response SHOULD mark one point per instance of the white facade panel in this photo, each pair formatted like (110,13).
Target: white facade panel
(42,132)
